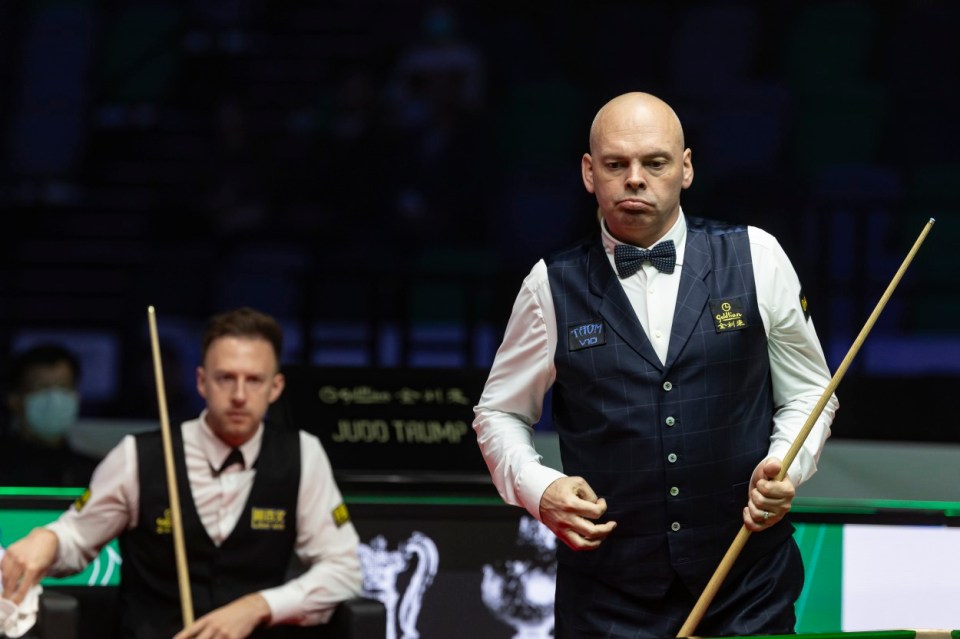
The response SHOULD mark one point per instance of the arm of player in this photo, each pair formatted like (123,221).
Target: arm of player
(798,369)
(512,399)
(67,545)
(326,544)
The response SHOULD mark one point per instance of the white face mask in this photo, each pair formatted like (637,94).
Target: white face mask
(50,412)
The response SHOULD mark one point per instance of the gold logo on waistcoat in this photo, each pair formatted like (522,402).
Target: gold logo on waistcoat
(268,519)
(164,524)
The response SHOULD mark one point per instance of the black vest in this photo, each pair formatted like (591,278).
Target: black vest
(255,556)
(671,446)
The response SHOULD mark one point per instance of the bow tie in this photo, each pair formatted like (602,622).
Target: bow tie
(629,259)
(235,457)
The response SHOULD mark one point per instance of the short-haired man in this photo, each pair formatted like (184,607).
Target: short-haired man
(258,493)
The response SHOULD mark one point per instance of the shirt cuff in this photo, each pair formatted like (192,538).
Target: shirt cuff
(65,562)
(532,483)
(286,606)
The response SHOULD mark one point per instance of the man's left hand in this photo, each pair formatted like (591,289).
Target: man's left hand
(769,500)
(236,620)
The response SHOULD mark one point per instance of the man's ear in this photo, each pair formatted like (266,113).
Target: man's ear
(586,170)
(687,168)
(276,388)
(201,379)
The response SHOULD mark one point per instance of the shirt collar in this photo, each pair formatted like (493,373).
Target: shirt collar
(216,450)
(677,233)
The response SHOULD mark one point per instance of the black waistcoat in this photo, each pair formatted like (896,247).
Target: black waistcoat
(671,446)
(255,556)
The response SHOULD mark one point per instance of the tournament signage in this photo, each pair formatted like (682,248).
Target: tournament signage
(387,421)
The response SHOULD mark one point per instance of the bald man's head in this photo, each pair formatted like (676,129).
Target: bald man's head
(637,166)
(639,103)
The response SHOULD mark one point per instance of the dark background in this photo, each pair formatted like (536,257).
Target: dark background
(381,175)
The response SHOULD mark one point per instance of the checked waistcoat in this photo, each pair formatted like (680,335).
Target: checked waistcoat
(670,446)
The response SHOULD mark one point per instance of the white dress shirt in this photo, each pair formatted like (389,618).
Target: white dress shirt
(523,370)
(329,551)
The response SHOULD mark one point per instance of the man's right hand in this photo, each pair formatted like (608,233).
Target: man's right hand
(236,620)
(26,562)
(569,507)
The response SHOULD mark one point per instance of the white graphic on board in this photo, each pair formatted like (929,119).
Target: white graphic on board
(520,592)
(381,570)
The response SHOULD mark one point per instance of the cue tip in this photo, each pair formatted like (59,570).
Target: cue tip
(932,220)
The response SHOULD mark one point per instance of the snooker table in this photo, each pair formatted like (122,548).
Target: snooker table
(422,555)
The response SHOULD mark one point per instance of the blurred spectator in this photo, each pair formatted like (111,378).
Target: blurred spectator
(435,103)
(44,405)
(438,76)
(236,194)
(348,151)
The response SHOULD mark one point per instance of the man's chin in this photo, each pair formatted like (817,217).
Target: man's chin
(234,428)
(241,427)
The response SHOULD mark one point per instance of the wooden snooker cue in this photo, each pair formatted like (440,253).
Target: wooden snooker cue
(700,609)
(179,549)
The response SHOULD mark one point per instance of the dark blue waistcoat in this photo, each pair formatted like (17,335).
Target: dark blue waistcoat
(671,446)
(255,556)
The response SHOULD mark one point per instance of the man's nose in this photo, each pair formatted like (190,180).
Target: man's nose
(635,177)
(239,394)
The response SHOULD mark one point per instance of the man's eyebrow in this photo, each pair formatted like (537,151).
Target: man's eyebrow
(658,153)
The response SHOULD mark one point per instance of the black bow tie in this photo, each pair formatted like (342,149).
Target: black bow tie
(235,457)
(630,259)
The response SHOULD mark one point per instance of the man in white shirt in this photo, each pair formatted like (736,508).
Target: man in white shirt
(683,362)
(257,496)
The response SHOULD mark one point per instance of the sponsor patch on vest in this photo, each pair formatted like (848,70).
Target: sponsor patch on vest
(586,335)
(164,523)
(341,515)
(728,315)
(804,306)
(82,500)
(268,519)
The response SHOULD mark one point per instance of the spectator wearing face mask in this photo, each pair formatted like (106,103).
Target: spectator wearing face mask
(43,403)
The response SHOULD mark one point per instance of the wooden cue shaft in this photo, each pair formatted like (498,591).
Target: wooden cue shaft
(700,609)
(179,548)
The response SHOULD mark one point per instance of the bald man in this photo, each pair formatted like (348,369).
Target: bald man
(683,363)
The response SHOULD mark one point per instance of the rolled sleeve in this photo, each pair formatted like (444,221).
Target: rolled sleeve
(109,507)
